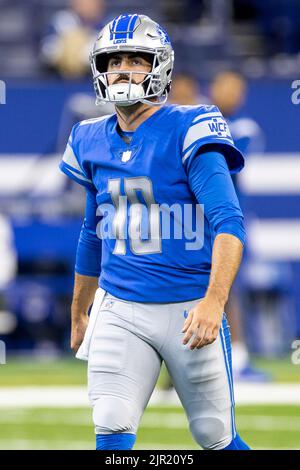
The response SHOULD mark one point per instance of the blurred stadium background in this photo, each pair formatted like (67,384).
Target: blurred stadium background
(45,88)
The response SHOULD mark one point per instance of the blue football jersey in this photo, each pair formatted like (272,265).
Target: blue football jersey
(162,244)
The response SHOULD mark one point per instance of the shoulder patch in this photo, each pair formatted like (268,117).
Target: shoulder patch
(206,126)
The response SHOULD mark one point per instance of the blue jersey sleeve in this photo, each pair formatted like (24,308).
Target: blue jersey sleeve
(205,127)
(88,256)
(210,181)
(71,163)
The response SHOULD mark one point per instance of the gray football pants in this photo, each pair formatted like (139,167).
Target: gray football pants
(128,344)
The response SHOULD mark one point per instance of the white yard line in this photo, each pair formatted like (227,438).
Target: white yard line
(267,394)
(32,397)
(76,396)
(268,423)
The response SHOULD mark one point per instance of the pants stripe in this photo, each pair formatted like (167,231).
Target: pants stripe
(229,375)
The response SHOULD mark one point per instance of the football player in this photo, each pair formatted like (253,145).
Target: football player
(160,245)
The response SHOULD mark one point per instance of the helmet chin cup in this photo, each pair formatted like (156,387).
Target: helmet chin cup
(125,94)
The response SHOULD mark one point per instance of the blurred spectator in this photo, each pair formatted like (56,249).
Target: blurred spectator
(185,91)
(8,270)
(8,255)
(67,42)
(228,92)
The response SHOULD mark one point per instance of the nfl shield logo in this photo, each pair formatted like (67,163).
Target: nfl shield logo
(126,156)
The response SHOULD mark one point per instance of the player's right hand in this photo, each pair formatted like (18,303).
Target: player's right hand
(77,332)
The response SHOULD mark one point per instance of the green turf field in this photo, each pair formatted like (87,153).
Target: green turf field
(162,427)
(69,371)
(263,427)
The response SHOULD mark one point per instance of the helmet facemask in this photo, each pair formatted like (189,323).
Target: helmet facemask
(153,90)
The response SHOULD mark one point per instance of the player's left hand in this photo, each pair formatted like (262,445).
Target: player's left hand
(203,322)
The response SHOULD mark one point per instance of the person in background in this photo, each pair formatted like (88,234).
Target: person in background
(228,92)
(67,41)
(8,256)
(8,271)
(186,91)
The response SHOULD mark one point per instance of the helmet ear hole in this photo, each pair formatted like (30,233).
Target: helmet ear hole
(148,57)
(101,62)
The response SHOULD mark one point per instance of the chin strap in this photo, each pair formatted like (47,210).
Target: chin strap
(124,93)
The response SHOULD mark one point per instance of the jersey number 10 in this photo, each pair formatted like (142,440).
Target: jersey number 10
(132,186)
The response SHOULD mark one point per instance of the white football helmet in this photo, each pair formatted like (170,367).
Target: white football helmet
(133,33)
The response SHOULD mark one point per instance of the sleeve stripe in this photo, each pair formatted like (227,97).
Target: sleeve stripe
(188,154)
(75,176)
(196,132)
(203,117)
(69,167)
(205,140)
(206,119)
(70,159)
(83,178)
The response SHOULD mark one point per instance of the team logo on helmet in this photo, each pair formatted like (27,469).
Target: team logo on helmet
(164,38)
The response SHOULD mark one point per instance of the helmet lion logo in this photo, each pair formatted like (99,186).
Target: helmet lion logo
(164,38)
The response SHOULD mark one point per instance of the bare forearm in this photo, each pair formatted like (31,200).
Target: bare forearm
(226,259)
(83,296)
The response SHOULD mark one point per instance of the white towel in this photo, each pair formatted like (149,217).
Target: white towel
(83,351)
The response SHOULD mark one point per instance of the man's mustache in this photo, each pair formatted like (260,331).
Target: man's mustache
(123,77)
